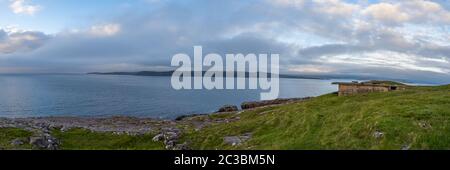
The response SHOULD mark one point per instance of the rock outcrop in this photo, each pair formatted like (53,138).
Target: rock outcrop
(44,142)
(228,108)
(17,142)
(237,140)
(170,137)
(168,131)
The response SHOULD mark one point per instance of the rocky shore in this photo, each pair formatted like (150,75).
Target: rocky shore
(167,131)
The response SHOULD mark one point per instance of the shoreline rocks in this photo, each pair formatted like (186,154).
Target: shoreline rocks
(167,131)
(170,137)
(44,142)
(228,108)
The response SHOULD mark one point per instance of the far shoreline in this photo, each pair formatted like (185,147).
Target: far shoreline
(255,104)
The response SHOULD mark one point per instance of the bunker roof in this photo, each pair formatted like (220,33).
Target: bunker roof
(370,83)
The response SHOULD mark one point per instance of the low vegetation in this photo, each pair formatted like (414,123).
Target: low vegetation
(8,135)
(385,82)
(80,139)
(417,118)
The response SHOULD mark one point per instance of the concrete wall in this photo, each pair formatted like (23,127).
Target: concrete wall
(348,89)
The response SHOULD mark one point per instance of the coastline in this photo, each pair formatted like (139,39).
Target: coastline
(167,131)
(381,121)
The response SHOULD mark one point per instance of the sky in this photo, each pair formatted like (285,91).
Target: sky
(401,39)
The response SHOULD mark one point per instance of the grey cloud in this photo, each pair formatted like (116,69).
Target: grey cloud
(21,41)
(149,39)
(331,49)
(2,35)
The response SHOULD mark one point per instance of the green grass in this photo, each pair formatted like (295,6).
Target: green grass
(418,118)
(385,82)
(80,139)
(7,135)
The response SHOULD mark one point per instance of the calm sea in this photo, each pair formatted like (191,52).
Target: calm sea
(108,95)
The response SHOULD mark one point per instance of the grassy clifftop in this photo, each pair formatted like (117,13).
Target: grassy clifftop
(385,82)
(418,118)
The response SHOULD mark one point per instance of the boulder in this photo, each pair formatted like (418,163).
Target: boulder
(232,140)
(17,142)
(45,142)
(169,144)
(378,134)
(183,146)
(65,128)
(228,108)
(182,117)
(406,147)
(237,140)
(171,136)
(158,137)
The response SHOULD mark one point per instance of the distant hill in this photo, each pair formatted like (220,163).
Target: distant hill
(289,75)
(140,73)
(169,73)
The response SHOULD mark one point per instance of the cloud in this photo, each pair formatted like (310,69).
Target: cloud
(386,12)
(314,37)
(105,30)
(294,3)
(418,11)
(389,59)
(311,69)
(328,7)
(336,7)
(22,7)
(2,35)
(21,41)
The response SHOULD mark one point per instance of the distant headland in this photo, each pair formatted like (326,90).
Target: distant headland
(170,73)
